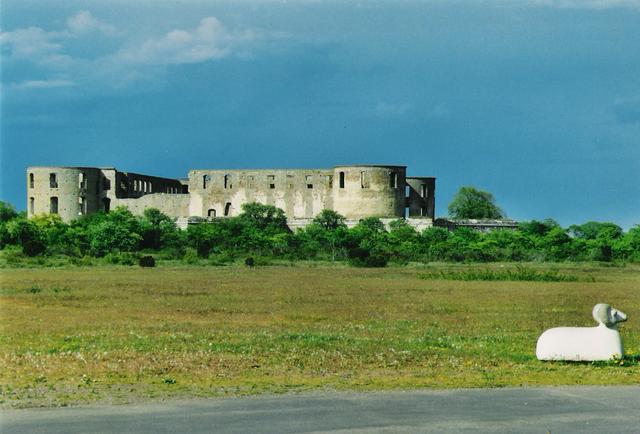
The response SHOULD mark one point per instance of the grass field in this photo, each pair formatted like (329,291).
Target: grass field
(119,334)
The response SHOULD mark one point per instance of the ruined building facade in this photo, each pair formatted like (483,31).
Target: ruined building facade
(355,192)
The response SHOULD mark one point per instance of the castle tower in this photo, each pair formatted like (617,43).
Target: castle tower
(70,192)
(369,191)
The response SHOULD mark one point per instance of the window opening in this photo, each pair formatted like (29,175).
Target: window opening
(32,205)
(82,180)
(407,191)
(227,181)
(106,204)
(393,180)
(53,205)
(309,180)
(423,190)
(205,180)
(53,180)
(341,179)
(82,206)
(106,184)
(211,212)
(364,179)
(272,181)
(227,208)
(31,180)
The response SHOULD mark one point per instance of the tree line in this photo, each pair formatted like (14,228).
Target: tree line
(261,233)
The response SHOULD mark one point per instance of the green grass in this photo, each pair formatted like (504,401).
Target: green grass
(518,273)
(117,334)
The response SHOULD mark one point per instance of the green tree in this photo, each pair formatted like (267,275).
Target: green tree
(628,247)
(326,237)
(26,234)
(118,230)
(266,218)
(56,235)
(471,203)
(329,219)
(433,243)
(158,230)
(204,237)
(537,228)
(262,228)
(7,212)
(403,241)
(595,230)
(369,244)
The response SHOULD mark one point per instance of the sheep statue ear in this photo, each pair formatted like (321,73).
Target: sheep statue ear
(605,314)
(602,314)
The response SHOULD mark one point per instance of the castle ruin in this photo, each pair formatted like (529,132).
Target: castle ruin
(355,192)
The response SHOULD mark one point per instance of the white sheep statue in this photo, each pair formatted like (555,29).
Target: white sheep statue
(585,343)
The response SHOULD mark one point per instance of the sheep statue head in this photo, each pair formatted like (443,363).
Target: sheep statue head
(607,315)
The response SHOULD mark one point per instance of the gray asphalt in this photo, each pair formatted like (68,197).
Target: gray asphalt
(511,410)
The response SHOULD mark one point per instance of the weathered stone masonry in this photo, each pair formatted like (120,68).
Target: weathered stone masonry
(355,192)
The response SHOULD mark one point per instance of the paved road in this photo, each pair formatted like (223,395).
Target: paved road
(531,410)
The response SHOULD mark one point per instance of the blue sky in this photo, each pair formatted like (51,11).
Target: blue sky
(536,101)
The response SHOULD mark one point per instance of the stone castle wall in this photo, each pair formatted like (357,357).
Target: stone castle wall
(355,192)
(173,205)
(220,193)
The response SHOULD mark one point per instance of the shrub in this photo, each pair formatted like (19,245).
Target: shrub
(221,259)
(120,258)
(33,248)
(34,290)
(249,262)
(147,261)
(81,261)
(360,257)
(191,256)
(7,212)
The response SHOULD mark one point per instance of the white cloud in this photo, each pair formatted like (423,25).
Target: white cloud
(84,22)
(209,41)
(47,48)
(43,84)
(30,42)
(130,62)
(38,46)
